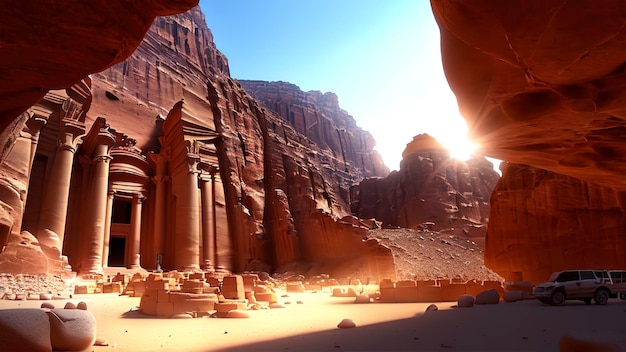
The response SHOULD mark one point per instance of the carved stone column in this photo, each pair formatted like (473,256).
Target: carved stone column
(107,230)
(54,203)
(208,219)
(160,202)
(95,216)
(133,260)
(187,237)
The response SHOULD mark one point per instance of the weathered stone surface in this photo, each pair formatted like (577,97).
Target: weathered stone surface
(270,195)
(430,190)
(71,329)
(465,301)
(39,54)
(318,117)
(560,223)
(24,330)
(23,255)
(346,324)
(281,194)
(541,84)
(488,297)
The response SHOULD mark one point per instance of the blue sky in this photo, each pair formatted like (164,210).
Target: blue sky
(381,58)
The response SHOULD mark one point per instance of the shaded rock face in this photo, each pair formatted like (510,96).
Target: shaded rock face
(542,85)
(543,222)
(318,117)
(280,193)
(38,54)
(430,190)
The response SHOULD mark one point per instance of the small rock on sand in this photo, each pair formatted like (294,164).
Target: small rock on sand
(346,324)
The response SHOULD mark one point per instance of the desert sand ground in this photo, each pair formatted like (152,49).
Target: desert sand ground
(312,326)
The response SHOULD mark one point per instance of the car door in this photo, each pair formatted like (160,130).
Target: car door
(587,284)
(570,280)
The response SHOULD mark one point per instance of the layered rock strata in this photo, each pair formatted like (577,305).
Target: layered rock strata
(542,85)
(542,222)
(430,190)
(318,117)
(37,54)
(174,166)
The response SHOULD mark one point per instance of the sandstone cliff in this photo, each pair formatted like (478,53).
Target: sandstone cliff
(430,190)
(283,195)
(543,84)
(318,117)
(38,54)
(543,222)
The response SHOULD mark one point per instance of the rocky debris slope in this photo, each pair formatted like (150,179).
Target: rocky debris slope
(429,255)
(430,190)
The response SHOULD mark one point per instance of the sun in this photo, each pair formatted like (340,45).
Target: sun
(460,148)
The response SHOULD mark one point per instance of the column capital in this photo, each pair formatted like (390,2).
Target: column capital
(192,163)
(71,135)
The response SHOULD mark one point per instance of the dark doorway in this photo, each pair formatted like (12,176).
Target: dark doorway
(121,211)
(117,247)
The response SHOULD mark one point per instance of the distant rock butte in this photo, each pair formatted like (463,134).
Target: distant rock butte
(430,191)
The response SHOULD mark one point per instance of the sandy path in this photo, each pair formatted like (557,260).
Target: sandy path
(311,326)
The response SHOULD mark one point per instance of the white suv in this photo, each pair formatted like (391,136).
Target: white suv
(581,285)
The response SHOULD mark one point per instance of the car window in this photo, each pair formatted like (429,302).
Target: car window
(588,275)
(568,276)
(601,274)
(618,275)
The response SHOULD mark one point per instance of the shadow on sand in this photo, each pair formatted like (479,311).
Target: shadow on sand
(520,326)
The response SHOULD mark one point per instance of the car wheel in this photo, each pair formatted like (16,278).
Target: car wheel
(557,298)
(622,296)
(587,300)
(601,297)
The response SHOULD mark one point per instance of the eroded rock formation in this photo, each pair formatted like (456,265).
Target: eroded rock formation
(37,54)
(430,190)
(318,117)
(172,165)
(543,222)
(543,85)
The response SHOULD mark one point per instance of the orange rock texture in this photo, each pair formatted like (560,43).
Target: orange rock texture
(429,191)
(283,187)
(542,222)
(60,43)
(543,84)
(318,117)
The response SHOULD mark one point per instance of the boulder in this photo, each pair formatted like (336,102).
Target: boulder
(488,297)
(24,330)
(346,324)
(71,329)
(465,301)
